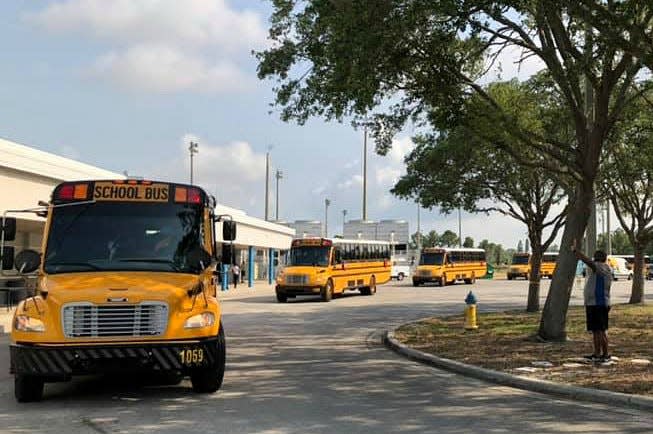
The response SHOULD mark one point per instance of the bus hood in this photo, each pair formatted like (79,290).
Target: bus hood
(100,287)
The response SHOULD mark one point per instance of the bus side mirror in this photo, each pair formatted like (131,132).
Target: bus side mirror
(7,258)
(226,253)
(228,230)
(27,261)
(9,229)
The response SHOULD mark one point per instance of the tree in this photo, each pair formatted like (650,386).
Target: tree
(480,179)
(416,240)
(432,239)
(448,239)
(628,182)
(387,63)
(520,246)
(620,243)
(468,243)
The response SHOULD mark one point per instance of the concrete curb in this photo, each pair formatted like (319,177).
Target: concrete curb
(519,382)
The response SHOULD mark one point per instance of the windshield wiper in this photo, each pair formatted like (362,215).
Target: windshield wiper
(73,264)
(172,264)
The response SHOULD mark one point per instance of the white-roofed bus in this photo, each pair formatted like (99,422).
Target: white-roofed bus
(328,267)
(447,265)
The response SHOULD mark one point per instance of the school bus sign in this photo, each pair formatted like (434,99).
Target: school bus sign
(110,191)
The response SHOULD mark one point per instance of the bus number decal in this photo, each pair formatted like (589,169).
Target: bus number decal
(191,357)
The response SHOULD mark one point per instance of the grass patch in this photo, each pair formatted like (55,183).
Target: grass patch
(506,341)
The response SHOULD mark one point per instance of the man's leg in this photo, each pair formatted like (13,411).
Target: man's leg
(604,343)
(596,338)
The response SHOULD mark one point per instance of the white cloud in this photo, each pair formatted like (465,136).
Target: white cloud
(163,45)
(355,180)
(166,69)
(233,171)
(387,175)
(508,66)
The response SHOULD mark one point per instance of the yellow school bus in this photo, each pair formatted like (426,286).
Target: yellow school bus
(328,267)
(519,266)
(548,264)
(126,283)
(446,265)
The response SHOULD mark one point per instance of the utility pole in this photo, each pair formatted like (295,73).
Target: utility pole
(278,176)
(192,148)
(267,185)
(344,216)
(607,223)
(327,202)
(419,233)
(365,172)
(460,230)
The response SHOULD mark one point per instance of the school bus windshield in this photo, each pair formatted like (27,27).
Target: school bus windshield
(123,236)
(431,259)
(519,260)
(309,256)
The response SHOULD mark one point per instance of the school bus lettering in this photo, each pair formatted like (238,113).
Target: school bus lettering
(125,192)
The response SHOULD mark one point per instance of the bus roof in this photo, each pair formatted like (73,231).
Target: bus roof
(449,249)
(317,241)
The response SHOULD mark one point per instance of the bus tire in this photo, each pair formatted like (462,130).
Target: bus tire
(415,282)
(372,287)
(510,277)
(281,297)
(326,292)
(209,379)
(400,277)
(28,388)
(471,280)
(443,280)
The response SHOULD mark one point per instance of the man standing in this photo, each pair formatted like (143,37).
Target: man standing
(597,301)
(235,272)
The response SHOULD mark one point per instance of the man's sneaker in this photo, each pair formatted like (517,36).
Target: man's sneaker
(592,358)
(606,358)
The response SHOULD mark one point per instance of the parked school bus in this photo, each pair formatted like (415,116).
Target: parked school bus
(125,284)
(548,266)
(446,265)
(328,267)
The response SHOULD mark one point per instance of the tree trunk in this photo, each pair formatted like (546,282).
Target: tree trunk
(637,291)
(554,316)
(533,304)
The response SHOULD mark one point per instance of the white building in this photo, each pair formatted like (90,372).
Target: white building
(307,228)
(394,231)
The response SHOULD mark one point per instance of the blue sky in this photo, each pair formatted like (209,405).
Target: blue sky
(124,85)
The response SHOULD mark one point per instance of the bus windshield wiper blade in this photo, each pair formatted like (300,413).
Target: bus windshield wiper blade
(72,264)
(152,261)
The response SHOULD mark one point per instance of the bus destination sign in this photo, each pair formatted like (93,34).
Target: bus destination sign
(108,191)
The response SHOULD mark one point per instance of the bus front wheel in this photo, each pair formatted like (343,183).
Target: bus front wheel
(281,297)
(209,379)
(443,280)
(370,290)
(327,291)
(28,388)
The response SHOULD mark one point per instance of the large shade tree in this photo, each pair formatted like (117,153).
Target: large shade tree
(397,61)
(461,167)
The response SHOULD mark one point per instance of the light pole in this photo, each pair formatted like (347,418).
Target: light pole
(267,184)
(327,202)
(460,230)
(419,234)
(193,149)
(278,176)
(365,172)
(392,243)
(344,216)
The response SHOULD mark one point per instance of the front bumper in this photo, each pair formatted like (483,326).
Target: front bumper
(62,362)
(298,290)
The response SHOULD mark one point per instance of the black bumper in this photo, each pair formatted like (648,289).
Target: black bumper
(64,362)
(298,290)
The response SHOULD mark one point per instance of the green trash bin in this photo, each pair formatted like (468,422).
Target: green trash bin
(489,273)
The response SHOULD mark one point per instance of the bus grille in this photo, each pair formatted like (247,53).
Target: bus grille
(297,279)
(424,272)
(90,320)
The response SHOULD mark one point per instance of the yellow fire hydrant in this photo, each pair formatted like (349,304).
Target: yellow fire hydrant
(470,312)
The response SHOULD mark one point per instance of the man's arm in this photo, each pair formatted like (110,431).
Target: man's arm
(580,255)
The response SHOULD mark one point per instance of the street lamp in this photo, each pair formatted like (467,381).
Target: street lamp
(344,216)
(193,149)
(267,184)
(278,176)
(365,172)
(327,202)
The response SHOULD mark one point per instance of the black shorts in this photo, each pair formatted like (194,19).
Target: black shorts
(597,318)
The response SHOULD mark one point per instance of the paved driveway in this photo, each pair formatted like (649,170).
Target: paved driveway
(308,366)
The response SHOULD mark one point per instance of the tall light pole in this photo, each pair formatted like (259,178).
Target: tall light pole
(193,149)
(607,223)
(267,184)
(327,202)
(419,233)
(278,176)
(365,172)
(460,230)
(344,217)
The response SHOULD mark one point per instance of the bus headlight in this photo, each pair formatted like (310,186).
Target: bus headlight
(26,323)
(205,319)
